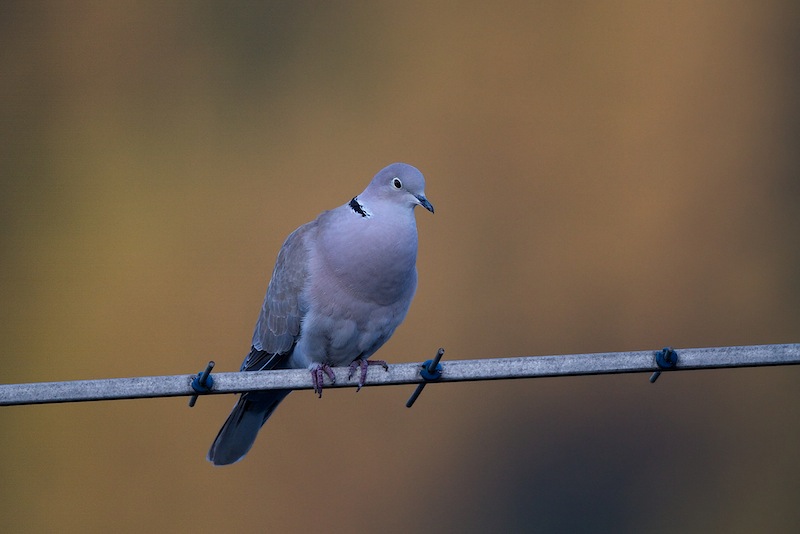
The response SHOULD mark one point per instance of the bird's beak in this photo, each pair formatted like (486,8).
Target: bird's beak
(424,203)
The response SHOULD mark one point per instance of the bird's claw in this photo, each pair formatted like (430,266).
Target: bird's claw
(363,364)
(318,373)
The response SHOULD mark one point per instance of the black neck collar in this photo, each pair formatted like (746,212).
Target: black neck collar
(357,207)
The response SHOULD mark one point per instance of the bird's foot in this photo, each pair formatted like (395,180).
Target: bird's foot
(363,364)
(318,373)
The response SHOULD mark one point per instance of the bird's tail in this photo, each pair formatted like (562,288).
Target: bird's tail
(239,432)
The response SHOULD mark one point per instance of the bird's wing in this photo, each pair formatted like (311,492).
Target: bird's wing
(278,326)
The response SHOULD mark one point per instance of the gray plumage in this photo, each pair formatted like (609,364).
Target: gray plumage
(342,284)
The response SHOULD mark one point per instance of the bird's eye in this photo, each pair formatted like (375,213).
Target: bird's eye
(397,183)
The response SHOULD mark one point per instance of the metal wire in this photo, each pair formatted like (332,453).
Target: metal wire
(405,373)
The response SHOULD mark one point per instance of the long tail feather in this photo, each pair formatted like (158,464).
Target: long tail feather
(239,432)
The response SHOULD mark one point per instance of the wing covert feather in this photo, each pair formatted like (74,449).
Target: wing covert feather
(278,325)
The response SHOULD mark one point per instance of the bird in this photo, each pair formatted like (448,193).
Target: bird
(341,285)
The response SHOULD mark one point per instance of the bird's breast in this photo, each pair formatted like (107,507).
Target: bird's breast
(371,261)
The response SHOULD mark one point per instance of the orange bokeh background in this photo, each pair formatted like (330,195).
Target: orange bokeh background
(607,176)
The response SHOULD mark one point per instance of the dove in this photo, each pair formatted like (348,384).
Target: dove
(341,285)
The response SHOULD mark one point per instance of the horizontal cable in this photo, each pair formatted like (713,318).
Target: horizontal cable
(404,373)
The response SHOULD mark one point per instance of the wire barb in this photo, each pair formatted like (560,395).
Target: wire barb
(202,383)
(431,371)
(666,358)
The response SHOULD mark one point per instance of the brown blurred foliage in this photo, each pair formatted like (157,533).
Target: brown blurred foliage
(607,176)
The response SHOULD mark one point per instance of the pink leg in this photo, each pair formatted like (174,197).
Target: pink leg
(318,373)
(363,365)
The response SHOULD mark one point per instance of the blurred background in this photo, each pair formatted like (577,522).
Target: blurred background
(607,176)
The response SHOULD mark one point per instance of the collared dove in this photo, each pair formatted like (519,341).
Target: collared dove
(341,285)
